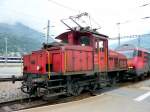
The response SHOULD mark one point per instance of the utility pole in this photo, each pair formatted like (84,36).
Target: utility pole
(118,25)
(6,50)
(47,34)
(139,41)
(48,30)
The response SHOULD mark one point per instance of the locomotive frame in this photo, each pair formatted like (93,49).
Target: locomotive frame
(72,67)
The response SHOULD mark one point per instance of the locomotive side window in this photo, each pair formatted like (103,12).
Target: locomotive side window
(99,46)
(135,53)
(65,41)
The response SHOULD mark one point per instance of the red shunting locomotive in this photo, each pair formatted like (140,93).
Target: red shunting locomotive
(81,61)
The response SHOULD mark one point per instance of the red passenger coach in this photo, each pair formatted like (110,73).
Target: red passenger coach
(81,61)
(138,60)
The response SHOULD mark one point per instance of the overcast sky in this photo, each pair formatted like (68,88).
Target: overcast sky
(107,13)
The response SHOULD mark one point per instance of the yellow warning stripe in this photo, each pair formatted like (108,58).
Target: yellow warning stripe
(65,61)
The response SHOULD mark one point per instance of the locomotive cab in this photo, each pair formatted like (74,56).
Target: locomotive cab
(82,38)
(98,42)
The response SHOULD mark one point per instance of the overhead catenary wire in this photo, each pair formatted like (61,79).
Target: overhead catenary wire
(64,6)
(135,8)
(146,4)
(128,21)
(75,10)
(22,13)
(91,18)
(131,36)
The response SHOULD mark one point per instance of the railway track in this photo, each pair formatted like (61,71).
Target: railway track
(37,102)
(5,79)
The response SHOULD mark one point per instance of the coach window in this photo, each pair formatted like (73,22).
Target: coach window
(145,55)
(139,53)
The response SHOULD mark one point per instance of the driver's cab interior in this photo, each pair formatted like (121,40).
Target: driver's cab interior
(76,38)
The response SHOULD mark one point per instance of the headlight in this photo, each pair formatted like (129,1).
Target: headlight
(130,67)
(38,68)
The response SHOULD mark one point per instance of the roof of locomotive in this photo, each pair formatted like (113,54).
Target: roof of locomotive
(115,53)
(88,32)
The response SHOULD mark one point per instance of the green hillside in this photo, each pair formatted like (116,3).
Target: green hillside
(21,39)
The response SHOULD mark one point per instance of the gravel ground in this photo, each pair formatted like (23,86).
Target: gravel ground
(10,92)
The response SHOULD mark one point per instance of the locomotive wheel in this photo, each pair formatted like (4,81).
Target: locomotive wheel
(113,81)
(142,77)
(93,87)
(135,79)
(76,89)
(27,87)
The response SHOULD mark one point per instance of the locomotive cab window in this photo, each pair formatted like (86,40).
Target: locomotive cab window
(64,41)
(84,40)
